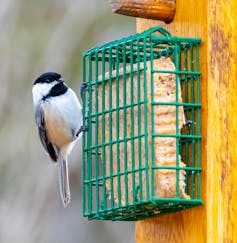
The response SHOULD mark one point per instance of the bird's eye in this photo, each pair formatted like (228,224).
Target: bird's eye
(47,81)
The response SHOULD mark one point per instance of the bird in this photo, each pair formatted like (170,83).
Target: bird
(58,116)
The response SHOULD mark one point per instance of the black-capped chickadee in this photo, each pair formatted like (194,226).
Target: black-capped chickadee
(58,115)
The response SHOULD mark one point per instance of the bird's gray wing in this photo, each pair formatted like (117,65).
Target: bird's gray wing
(40,121)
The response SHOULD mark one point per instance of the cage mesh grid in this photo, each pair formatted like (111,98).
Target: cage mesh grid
(119,169)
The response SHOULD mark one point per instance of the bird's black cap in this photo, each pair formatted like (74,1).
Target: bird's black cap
(47,77)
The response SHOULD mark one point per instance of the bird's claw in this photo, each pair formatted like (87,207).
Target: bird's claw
(83,128)
(189,123)
(82,87)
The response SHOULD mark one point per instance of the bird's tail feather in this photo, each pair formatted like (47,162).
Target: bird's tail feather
(63,180)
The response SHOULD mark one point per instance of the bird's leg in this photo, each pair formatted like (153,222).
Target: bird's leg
(82,87)
(83,128)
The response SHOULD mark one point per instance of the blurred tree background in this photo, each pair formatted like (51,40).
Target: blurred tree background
(39,36)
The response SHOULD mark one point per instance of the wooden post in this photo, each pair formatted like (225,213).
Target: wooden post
(216,23)
(150,9)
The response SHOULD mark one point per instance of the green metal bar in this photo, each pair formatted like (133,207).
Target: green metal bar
(93,180)
(152,126)
(84,209)
(146,122)
(89,167)
(177,65)
(198,78)
(117,108)
(191,73)
(176,104)
(117,128)
(156,71)
(159,29)
(174,40)
(113,76)
(187,116)
(132,120)
(125,124)
(185,79)
(198,124)
(139,120)
(192,168)
(191,137)
(111,130)
(96,135)
(122,140)
(178,200)
(193,119)
(103,131)
(193,164)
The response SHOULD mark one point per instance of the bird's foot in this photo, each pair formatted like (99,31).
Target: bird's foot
(189,123)
(82,87)
(83,128)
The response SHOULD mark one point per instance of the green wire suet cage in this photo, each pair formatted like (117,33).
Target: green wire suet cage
(141,103)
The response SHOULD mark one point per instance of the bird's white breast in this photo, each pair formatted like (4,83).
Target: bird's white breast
(63,118)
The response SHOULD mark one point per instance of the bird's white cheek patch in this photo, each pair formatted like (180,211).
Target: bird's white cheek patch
(37,95)
(40,90)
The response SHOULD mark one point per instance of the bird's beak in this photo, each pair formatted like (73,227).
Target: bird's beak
(61,80)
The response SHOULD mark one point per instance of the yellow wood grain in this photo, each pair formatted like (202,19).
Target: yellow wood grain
(222,122)
(216,23)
